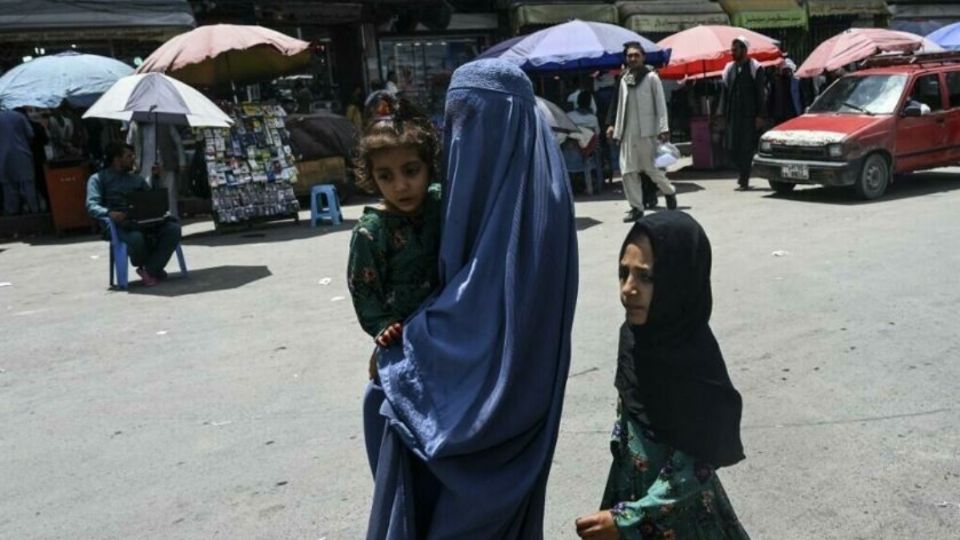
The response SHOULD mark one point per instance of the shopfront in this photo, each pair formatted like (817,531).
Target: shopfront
(783,20)
(657,19)
(526,17)
(421,63)
(122,30)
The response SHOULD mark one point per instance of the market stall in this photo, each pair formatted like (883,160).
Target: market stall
(251,168)
(59,84)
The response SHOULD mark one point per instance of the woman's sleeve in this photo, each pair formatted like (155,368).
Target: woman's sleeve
(681,483)
(365,280)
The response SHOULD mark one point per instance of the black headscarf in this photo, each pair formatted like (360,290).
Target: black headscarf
(671,374)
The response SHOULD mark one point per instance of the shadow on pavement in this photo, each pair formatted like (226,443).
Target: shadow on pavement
(204,280)
(906,186)
(282,231)
(689,173)
(584,223)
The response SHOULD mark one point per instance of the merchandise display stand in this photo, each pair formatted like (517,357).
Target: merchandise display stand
(251,168)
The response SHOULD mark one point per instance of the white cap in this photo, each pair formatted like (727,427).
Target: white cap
(742,39)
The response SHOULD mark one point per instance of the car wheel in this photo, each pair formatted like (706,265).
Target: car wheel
(874,178)
(782,188)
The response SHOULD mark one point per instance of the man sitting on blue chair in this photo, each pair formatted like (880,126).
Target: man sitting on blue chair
(150,246)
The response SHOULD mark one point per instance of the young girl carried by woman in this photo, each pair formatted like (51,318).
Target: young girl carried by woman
(392,265)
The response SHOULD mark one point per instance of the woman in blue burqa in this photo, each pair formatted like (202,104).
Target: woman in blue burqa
(473,395)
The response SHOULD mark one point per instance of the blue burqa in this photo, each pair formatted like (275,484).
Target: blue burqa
(473,397)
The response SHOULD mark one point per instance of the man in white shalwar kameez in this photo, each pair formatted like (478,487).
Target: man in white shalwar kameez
(641,125)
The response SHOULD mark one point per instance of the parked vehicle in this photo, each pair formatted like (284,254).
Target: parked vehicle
(899,114)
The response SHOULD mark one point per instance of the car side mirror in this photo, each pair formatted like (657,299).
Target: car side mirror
(913,110)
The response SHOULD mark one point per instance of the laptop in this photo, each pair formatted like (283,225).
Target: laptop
(146,207)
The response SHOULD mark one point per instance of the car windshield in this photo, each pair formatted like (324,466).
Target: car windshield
(869,94)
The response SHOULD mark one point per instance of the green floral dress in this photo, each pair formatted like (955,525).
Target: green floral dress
(657,493)
(393,263)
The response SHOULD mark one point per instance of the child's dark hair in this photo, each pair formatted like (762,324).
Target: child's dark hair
(394,122)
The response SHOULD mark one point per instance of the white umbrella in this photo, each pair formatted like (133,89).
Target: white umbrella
(156,98)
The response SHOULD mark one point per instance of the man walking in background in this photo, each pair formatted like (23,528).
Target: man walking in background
(641,124)
(743,106)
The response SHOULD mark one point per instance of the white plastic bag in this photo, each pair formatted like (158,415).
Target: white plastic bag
(667,156)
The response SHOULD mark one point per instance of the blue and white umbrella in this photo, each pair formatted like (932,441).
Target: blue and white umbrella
(947,37)
(46,81)
(574,45)
(156,98)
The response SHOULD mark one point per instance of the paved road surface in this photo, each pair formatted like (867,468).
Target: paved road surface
(227,406)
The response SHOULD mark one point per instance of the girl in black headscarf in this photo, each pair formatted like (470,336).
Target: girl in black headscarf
(679,414)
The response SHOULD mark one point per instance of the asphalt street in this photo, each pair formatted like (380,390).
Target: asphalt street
(227,405)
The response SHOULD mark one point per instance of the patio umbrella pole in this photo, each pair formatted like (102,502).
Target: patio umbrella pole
(156,143)
(233,86)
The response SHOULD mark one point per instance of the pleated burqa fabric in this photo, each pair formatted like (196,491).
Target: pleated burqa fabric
(474,395)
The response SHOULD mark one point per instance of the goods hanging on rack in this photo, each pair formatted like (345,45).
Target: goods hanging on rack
(251,168)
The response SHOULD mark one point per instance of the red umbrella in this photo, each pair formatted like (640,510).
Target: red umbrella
(219,54)
(856,44)
(703,51)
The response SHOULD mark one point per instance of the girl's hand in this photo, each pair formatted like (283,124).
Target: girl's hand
(598,526)
(390,335)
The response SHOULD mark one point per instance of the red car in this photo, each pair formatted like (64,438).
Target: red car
(898,115)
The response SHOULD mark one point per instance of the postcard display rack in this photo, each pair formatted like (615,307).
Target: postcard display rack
(251,167)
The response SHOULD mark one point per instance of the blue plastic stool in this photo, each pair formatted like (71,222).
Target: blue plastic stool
(330,210)
(119,261)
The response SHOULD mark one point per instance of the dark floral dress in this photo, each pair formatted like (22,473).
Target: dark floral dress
(655,492)
(393,263)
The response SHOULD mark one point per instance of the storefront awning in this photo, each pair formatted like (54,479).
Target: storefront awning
(26,20)
(669,16)
(833,8)
(765,13)
(547,13)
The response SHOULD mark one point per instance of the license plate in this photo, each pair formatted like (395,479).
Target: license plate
(796,171)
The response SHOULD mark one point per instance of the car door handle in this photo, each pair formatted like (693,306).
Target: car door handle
(941,120)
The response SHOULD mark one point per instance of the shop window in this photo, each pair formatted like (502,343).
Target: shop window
(421,67)
(953,88)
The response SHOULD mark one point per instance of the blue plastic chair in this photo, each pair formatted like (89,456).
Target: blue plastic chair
(118,258)
(327,211)
(590,166)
